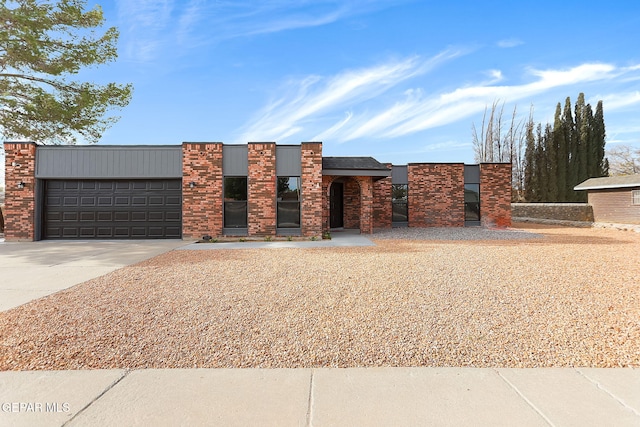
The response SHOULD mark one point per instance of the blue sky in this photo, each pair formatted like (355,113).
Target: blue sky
(402,81)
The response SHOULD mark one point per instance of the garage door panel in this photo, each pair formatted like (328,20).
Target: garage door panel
(120,209)
(88,216)
(70,201)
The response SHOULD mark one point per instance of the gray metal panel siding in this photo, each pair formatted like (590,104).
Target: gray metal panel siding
(399,174)
(288,160)
(111,162)
(472,174)
(235,160)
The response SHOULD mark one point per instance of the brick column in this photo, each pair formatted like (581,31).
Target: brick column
(436,194)
(495,194)
(262,189)
(382,207)
(312,195)
(202,204)
(20,203)
(326,202)
(366,204)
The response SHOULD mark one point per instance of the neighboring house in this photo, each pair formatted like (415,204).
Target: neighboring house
(614,199)
(257,189)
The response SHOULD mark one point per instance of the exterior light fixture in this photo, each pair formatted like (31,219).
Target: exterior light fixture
(21,185)
(192,184)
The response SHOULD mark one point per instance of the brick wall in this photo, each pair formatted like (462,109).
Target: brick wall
(312,195)
(366,204)
(202,204)
(326,207)
(495,194)
(351,204)
(20,203)
(554,211)
(382,208)
(436,194)
(262,189)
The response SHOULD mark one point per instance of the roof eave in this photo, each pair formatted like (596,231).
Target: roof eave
(606,187)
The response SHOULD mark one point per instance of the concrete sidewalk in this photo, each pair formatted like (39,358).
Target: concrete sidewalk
(322,397)
(32,270)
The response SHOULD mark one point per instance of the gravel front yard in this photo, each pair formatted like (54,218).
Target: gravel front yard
(568,298)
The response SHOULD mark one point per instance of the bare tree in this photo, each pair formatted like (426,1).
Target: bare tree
(623,160)
(494,143)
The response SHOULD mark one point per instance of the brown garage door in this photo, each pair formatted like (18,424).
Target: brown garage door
(113,209)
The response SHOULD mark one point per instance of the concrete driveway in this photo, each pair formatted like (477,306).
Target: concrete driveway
(35,269)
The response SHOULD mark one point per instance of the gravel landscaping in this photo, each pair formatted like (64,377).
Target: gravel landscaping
(566,297)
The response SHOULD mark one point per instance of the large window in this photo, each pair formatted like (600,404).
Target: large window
(399,200)
(635,197)
(472,202)
(235,202)
(288,215)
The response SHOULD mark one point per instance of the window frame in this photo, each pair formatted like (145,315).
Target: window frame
(397,202)
(283,200)
(635,197)
(227,201)
(467,204)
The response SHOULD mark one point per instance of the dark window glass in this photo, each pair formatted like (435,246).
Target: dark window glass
(399,200)
(472,202)
(288,212)
(235,202)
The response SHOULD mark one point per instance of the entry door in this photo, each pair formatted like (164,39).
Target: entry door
(335,216)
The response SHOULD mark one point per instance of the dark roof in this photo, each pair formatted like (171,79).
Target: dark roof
(609,182)
(352,163)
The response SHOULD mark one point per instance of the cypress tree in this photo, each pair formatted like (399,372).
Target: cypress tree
(580,168)
(551,160)
(601,165)
(560,148)
(540,170)
(571,159)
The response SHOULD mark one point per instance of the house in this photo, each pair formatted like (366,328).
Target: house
(257,189)
(614,199)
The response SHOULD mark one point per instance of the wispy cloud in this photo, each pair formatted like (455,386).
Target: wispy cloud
(314,97)
(152,28)
(508,43)
(377,107)
(617,101)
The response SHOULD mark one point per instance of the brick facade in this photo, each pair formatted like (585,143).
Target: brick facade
(351,203)
(382,207)
(202,204)
(435,197)
(366,204)
(20,203)
(436,194)
(495,194)
(311,204)
(262,189)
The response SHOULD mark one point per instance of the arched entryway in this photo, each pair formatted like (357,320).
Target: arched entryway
(345,203)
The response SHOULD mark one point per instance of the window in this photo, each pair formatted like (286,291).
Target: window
(288,210)
(635,197)
(235,202)
(399,200)
(472,202)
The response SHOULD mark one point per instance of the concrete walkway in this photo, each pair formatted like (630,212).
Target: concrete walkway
(32,270)
(338,239)
(322,397)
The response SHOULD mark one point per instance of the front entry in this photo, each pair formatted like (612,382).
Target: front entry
(336,205)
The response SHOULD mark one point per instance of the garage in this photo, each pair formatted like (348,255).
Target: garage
(108,192)
(112,209)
